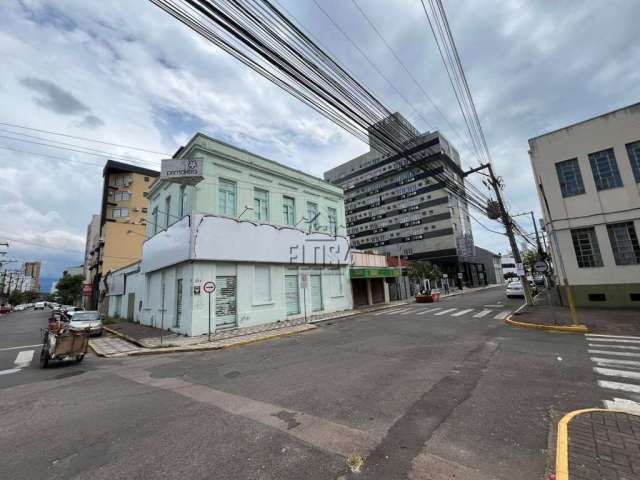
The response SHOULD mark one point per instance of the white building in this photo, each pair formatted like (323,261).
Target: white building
(265,236)
(588,178)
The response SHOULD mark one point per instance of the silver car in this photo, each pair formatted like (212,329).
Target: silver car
(81,320)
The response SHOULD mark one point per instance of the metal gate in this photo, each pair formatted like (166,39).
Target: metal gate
(131,305)
(225,302)
(178,303)
(316,293)
(292,294)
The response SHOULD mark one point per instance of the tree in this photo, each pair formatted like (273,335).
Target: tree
(16,298)
(421,271)
(70,288)
(529,257)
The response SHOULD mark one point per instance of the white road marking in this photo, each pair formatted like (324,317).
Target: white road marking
(619,354)
(11,370)
(408,312)
(615,361)
(494,306)
(24,358)
(623,404)
(428,310)
(397,311)
(20,348)
(449,310)
(618,340)
(598,335)
(462,312)
(502,315)
(626,387)
(610,372)
(482,313)
(606,345)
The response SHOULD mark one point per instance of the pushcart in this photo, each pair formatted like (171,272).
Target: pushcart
(60,343)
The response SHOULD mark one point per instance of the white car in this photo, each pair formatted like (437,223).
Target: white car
(18,308)
(39,306)
(514,289)
(83,320)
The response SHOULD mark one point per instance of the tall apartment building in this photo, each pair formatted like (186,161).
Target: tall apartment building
(32,269)
(123,218)
(90,259)
(263,236)
(588,179)
(396,208)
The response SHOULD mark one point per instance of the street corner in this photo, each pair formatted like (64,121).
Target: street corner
(597,443)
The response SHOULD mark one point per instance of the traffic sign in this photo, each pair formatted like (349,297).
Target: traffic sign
(540,266)
(209,287)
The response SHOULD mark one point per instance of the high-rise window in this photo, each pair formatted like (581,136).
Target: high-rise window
(122,196)
(167,211)
(570,178)
(605,169)
(288,211)
(183,201)
(312,215)
(633,150)
(585,244)
(119,212)
(226,197)
(624,243)
(333,221)
(261,204)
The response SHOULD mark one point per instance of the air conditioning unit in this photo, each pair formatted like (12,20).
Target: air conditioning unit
(101,240)
(136,209)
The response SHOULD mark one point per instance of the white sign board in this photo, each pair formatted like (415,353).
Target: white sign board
(519,269)
(182,170)
(540,266)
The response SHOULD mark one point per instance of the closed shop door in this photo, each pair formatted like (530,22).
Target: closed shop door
(131,305)
(292,294)
(359,287)
(178,303)
(377,290)
(316,293)
(225,302)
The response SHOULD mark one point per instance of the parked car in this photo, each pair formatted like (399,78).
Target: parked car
(81,320)
(5,308)
(18,308)
(39,306)
(514,289)
(65,309)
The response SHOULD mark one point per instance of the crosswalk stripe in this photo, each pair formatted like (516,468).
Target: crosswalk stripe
(9,371)
(610,372)
(618,340)
(619,354)
(615,361)
(502,315)
(408,312)
(23,359)
(457,314)
(482,313)
(18,348)
(605,345)
(391,312)
(623,404)
(599,335)
(449,310)
(427,310)
(626,387)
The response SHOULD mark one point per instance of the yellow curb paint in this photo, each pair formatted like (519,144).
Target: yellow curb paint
(562,442)
(552,328)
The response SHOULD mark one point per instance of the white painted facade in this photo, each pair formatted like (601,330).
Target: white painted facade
(594,202)
(264,269)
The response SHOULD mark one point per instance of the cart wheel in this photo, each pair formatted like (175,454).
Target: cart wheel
(44,357)
(79,358)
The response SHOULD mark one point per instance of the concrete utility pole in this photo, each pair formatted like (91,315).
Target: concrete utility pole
(508,225)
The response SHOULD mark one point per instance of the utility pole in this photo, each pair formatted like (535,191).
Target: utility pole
(508,225)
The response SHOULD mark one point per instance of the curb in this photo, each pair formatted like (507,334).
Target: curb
(123,336)
(562,442)
(200,348)
(538,326)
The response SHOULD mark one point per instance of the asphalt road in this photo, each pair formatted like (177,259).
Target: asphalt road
(421,392)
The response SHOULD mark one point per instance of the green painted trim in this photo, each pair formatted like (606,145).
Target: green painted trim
(374,272)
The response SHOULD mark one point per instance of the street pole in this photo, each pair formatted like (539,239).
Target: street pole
(508,225)
(209,293)
(535,227)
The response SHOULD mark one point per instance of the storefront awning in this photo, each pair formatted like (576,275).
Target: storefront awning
(374,272)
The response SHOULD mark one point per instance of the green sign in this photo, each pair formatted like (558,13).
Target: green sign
(380,272)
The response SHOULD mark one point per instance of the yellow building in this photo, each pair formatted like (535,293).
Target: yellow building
(123,218)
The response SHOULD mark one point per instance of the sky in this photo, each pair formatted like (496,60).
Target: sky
(126,73)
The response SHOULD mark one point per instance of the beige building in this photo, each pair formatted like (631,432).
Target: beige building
(588,178)
(123,218)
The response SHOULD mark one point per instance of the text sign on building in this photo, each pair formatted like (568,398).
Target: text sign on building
(182,170)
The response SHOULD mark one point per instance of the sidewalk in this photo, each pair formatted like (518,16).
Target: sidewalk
(596,320)
(135,339)
(598,444)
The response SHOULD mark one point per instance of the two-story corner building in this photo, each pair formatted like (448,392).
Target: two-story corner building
(588,179)
(123,214)
(271,240)
(399,209)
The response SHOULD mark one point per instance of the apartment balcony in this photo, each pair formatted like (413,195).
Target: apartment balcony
(214,238)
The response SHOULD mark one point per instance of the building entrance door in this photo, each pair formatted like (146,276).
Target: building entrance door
(226,303)
(292,294)
(131,305)
(316,293)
